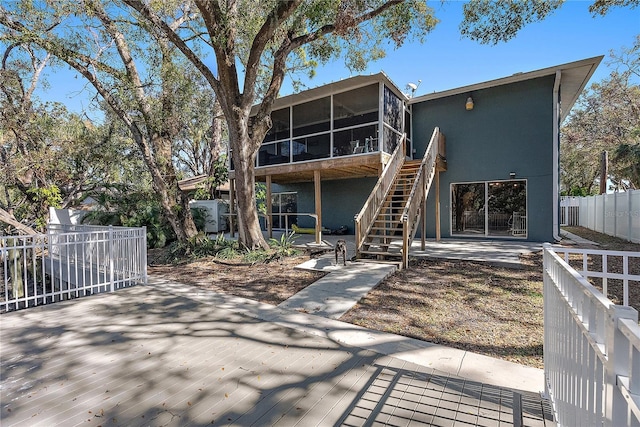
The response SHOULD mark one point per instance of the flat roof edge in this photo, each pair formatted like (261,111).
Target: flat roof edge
(592,63)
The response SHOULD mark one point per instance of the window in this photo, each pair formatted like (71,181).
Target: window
(490,208)
(312,117)
(355,140)
(274,154)
(392,110)
(279,125)
(355,107)
(282,205)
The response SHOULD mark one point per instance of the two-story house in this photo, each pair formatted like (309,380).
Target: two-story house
(362,154)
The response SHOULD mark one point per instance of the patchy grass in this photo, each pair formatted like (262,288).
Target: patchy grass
(475,306)
(467,305)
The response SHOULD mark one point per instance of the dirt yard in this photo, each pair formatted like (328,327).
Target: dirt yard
(270,283)
(467,305)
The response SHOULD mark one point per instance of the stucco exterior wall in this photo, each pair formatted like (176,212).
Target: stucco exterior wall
(509,130)
(341,200)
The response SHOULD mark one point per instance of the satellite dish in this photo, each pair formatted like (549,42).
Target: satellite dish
(413,87)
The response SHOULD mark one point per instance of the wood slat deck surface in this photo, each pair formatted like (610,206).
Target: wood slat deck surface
(142,357)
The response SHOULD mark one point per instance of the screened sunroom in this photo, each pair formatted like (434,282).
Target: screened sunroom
(346,129)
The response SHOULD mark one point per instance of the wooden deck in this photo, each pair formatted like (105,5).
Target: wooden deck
(142,357)
(354,166)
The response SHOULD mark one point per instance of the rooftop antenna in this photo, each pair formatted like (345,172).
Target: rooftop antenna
(413,87)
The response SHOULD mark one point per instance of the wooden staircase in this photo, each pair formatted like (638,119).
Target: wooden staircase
(385,236)
(388,221)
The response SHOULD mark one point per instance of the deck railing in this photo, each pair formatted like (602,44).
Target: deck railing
(600,264)
(69,261)
(419,191)
(364,219)
(591,350)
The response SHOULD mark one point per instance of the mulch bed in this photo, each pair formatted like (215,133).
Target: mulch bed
(270,283)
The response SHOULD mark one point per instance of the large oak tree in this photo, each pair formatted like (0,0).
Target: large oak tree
(256,43)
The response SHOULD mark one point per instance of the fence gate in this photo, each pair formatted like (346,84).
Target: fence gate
(70,261)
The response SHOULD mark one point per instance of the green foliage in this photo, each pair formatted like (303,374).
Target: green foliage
(605,118)
(255,256)
(44,198)
(200,246)
(207,190)
(134,209)
(491,22)
(577,192)
(284,245)
(199,217)
(602,6)
(261,198)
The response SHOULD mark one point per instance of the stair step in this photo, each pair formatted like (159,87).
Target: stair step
(388,240)
(370,252)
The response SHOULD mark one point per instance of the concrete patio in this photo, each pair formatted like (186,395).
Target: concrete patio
(502,253)
(172,355)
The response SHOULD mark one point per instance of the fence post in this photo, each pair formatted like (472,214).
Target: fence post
(604,212)
(630,235)
(111,258)
(143,243)
(617,349)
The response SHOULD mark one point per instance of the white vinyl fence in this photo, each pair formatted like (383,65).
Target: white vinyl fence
(616,214)
(591,350)
(69,261)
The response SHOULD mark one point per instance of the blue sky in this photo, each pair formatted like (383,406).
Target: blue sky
(446,61)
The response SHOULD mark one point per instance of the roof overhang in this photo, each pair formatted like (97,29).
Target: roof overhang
(332,88)
(574,78)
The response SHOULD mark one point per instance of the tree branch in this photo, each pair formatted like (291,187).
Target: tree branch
(150,16)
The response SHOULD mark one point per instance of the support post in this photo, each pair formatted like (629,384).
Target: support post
(269,208)
(232,204)
(318,201)
(112,257)
(423,232)
(437,184)
(617,363)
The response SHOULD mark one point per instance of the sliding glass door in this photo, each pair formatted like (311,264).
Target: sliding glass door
(283,206)
(489,208)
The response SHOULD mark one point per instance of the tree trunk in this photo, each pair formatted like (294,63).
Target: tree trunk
(174,203)
(244,157)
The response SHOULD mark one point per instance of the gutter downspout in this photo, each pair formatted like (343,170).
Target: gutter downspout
(556,155)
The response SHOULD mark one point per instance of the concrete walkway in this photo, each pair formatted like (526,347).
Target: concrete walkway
(337,292)
(343,286)
(174,355)
(462,363)
(501,253)
(573,239)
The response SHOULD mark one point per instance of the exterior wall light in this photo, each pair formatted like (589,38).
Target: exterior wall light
(512,175)
(469,104)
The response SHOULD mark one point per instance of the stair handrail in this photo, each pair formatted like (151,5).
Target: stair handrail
(421,185)
(365,218)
